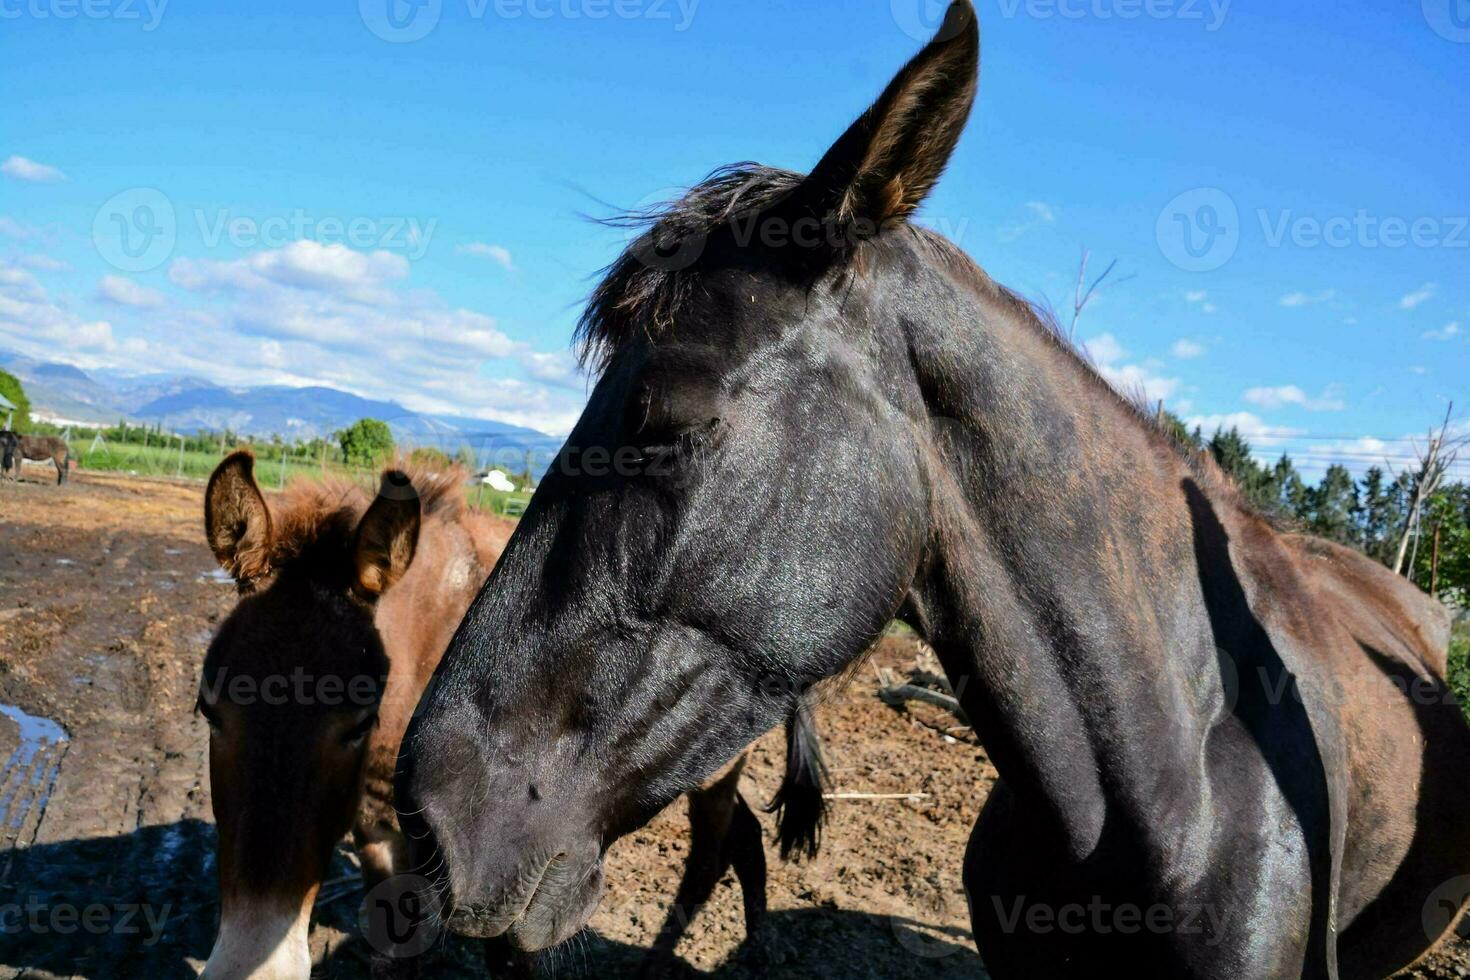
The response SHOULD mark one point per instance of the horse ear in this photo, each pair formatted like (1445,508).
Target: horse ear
(237,522)
(387,536)
(883,167)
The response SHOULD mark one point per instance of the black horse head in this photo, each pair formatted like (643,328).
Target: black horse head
(738,513)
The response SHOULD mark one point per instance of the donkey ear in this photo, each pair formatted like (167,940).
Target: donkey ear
(387,536)
(883,167)
(237,522)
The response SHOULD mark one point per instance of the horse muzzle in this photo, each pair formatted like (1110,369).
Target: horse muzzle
(541,909)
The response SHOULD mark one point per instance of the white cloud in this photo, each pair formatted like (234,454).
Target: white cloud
(309,314)
(498,253)
(43,263)
(125,292)
(1252,427)
(11,228)
(1104,349)
(23,169)
(1280,397)
(1418,297)
(1294,300)
(1201,299)
(1131,380)
(558,368)
(1185,349)
(1037,213)
(333,269)
(33,324)
(1447,332)
(1042,210)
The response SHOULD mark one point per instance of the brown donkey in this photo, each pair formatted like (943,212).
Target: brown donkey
(347,603)
(17,447)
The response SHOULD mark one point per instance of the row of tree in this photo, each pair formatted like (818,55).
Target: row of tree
(1374,514)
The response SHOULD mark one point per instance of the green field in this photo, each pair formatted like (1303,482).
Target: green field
(161,461)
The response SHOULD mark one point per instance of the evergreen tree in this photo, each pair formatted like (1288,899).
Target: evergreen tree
(1334,506)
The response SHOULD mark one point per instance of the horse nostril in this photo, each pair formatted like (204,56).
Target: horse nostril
(535,793)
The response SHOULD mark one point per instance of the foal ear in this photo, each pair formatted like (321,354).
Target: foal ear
(237,522)
(387,536)
(883,167)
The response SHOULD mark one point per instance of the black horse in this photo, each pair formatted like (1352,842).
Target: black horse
(1225,751)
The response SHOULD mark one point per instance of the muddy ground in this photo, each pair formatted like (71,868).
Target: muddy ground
(108,598)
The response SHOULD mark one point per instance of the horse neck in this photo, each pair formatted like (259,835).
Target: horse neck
(1059,592)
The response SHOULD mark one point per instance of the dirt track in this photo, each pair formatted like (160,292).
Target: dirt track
(108,598)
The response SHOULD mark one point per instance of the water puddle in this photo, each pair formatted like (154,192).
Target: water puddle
(30,773)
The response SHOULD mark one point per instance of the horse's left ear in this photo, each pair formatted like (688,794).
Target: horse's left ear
(883,167)
(237,523)
(387,536)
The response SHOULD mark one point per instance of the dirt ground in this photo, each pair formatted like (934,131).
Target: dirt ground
(108,597)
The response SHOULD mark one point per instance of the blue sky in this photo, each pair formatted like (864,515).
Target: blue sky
(314,193)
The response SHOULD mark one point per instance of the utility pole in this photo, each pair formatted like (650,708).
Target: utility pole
(180,473)
(1434,565)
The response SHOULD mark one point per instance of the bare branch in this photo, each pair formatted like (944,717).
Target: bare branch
(1082,295)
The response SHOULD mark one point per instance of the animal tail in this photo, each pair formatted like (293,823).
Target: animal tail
(799,804)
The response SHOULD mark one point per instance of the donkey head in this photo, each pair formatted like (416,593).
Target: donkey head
(291,688)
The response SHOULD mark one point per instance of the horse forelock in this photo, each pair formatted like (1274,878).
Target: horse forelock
(317,520)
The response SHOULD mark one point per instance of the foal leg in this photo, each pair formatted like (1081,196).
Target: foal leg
(712,812)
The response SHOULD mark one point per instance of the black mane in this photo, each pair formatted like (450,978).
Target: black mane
(637,295)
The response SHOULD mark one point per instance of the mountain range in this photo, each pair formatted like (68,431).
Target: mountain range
(186,404)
